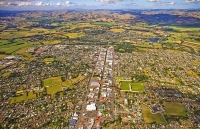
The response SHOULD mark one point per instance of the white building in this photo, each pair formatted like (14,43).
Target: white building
(91,107)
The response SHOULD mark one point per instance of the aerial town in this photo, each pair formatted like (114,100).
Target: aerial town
(99,69)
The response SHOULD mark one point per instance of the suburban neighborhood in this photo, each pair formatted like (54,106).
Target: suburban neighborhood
(100,69)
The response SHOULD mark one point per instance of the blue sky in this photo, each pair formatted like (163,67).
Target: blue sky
(98,4)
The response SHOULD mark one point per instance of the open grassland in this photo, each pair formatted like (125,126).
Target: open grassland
(25,96)
(151,118)
(117,30)
(53,89)
(174,109)
(48,60)
(74,35)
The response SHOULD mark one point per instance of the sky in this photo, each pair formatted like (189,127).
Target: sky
(97,4)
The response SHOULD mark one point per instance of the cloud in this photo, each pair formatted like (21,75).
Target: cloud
(192,1)
(39,3)
(15,3)
(67,3)
(32,3)
(154,0)
(172,3)
(109,1)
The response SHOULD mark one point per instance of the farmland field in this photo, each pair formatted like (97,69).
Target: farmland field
(12,47)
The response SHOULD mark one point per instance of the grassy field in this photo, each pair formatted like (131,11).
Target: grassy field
(117,30)
(23,97)
(174,108)
(48,60)
(52,81)
(138,87)
(56,81)
(150,118)
(103,23)
(135,87)
(53,89)
(74,35)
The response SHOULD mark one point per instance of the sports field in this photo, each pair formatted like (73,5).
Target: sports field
(132,86)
